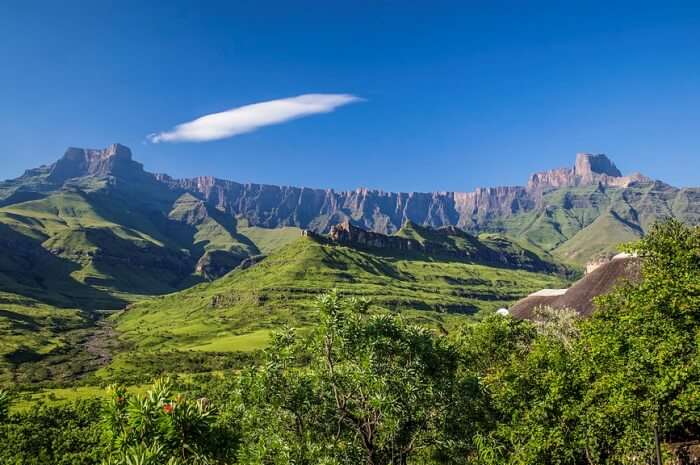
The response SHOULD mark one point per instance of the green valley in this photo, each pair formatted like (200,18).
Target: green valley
(105,266)
(243,306)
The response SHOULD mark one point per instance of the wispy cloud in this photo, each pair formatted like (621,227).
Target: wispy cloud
(248,118)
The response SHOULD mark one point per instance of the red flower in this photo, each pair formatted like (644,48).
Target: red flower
(168,408)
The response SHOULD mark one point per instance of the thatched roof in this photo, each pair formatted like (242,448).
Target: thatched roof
(580,295)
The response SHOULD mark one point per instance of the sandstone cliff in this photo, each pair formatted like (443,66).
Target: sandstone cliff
(114,160)
(588,169)
(385,212)
(447,242)
(575,212)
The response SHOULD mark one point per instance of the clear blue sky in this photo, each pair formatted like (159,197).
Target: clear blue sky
(458,94)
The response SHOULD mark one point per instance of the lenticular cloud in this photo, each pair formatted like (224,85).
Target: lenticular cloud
(248,118)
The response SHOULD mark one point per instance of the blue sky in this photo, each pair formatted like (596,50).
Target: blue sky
(455,94)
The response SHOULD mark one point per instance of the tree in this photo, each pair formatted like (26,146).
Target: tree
(52,434)
(638,356)
(529,389)
(363,388)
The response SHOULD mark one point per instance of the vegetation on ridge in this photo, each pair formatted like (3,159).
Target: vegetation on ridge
(238,310)
(368,387)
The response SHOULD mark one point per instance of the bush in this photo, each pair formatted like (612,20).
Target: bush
(363,389)
(56,435)
(160,427)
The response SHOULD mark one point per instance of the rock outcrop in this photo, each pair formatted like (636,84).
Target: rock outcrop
(448,242)
(588,166)
(114,160)
(589,169)
(345,233)
(385,212)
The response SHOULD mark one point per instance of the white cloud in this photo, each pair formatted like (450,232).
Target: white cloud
(248,118)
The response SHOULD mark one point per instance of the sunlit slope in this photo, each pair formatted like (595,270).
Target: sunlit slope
(125,248)
(111,249)
(575,224)
(235,311)
(604,235)
(269,240)
(71,253)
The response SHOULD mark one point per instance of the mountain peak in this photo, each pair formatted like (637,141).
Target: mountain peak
(92,155)
(588,164)
(589,169)
(114,160)
(117,150)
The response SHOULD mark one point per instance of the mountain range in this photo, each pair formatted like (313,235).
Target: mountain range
(95,232)
(573,213)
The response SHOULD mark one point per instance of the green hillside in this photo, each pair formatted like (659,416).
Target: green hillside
(574,224)
(491,249)
(237,311)
(72,253)
(95,233)
(268,240)
(603,235)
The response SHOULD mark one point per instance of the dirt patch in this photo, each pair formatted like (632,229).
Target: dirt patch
(101,344)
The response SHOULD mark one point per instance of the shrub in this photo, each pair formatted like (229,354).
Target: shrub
(160,427)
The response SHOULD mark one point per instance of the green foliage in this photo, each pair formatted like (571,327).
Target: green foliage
(529,391)
(362,389)
(557,323)
(639,354)
(367,386)
(563,391)
(4,404)
(53,435)
(158,427)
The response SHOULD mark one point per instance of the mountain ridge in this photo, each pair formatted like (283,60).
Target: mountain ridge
(548,212)
(385,212)
(95,232)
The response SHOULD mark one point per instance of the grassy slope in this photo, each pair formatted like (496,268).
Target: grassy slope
(603,235)
(235,312)
(73,250)
(76,228)
(213,229)
(567,212)
(270,240)
(579,223)
(32,326)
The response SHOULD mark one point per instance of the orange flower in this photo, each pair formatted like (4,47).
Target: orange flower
(168,408)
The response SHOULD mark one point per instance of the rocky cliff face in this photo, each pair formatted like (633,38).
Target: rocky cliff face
(588,166)
(114,160)
(345,233)
(385,212)
(592,187)
(588,169)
